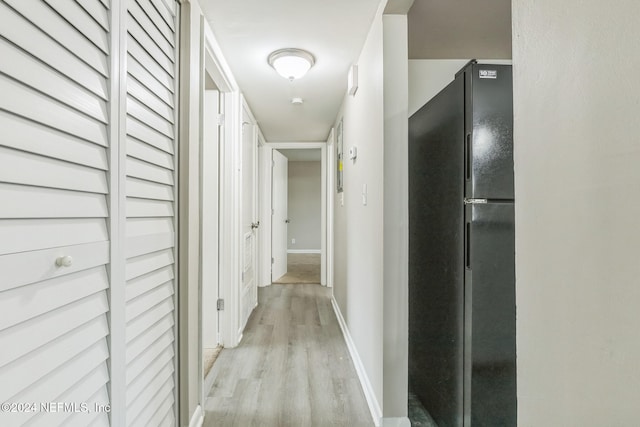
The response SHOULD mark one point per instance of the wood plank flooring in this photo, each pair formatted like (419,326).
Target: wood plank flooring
(291,369)
(301,268)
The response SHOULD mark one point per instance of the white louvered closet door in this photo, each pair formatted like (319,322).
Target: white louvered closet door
(54,202)
(150,210)
(60,150)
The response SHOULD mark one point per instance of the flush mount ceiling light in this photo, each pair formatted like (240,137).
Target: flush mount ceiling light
(291,63)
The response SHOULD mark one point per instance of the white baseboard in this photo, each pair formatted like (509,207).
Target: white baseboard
(396,422)
(304,251)
(374,406)
(197,419)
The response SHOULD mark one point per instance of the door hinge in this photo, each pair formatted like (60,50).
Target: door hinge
(220,304)
(220,119)
(272,260)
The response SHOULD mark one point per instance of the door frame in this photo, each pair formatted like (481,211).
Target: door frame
(266,179)
(200,52)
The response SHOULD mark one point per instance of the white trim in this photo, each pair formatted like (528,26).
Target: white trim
(176,210)
(230,220)
(330,191)
(304,251)
(396,422)
(197,419)
(117,215)
(372,401)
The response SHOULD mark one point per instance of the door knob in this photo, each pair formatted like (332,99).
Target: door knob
(64,261)
(287,220)
(255,225)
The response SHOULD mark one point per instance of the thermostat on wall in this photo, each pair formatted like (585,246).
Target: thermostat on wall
(353,153)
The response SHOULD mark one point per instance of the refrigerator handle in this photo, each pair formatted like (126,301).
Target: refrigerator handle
(467,157)
(467,245)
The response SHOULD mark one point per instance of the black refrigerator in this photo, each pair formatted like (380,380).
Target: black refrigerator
(462,317)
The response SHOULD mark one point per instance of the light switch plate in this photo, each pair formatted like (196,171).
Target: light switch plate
(364,194)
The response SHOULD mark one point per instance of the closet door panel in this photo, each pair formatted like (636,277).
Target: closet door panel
(54,193)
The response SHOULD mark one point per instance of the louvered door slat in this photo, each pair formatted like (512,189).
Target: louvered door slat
(151,81)
(138,345)
(150,28)
(145,134)
(150,154)
(146,42)
(168,15)
(17,167)
(58,29)
(20,235)
(31,72)
(160,24)
(34,333)
(28,370)
(22,201)
(31,104)
(97,11)
(143,322)
(64,378)
(150,63)
(143,407)
(34,138)
(82,21)
(15,28)
(150,100)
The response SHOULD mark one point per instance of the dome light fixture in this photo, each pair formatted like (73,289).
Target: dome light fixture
(291,63)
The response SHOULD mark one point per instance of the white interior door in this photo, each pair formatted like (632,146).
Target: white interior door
(54,207)
(279,217)
(87,213)
(249,220)
(210,219)
(151,104)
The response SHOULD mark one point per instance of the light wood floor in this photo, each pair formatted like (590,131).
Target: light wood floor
(291,369)
(301,268)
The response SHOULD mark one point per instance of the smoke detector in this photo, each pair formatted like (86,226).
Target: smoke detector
(297,101)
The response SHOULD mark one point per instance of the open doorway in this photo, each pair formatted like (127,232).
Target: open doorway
(293,240)
(301,199)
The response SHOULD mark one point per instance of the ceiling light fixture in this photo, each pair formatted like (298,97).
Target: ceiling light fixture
(291,63)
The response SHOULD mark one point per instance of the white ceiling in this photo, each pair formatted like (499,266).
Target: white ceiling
(334,32)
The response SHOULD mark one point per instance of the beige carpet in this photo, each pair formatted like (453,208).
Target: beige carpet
(210,356)
(302,268)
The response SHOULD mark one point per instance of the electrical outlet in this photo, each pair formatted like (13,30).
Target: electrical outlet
(293,241)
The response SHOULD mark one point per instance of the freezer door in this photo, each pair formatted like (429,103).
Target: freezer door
(489,132)
(436,243)
(490,316)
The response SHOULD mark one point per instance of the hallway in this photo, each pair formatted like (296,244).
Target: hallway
(292,367)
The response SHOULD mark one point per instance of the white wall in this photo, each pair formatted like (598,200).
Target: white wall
(358,275)
(304,205)
(577,182)
(427,77)
(396,220)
